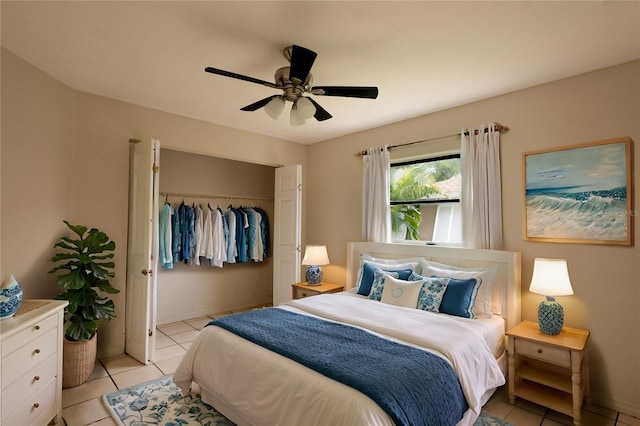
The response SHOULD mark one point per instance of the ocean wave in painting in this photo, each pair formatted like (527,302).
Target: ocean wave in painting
(590,215)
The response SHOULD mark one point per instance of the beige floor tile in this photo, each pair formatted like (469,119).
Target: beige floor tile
(85,413)
(120,363)
(98,371)
(87,391)
(168,353)
(606,412)
(137,376)
(162,340)
(549,422)
(175,328)
(497,408)
(169,366)
(186,345)
(199,323)
(521,417)
(185,336)
(628,420)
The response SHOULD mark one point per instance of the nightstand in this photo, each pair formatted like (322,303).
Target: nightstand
(300,290)
(552,371)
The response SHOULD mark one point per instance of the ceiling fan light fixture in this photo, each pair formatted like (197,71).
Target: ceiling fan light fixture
(305,107)
(296,117)
(275,107)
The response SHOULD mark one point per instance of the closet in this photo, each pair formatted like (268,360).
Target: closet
(189,290)
(155,296)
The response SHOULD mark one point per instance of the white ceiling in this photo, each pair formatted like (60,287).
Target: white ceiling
(424,56)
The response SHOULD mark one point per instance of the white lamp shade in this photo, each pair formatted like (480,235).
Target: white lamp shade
(296,118)
(315,255)
(550,278)
(274,108)
(305,107)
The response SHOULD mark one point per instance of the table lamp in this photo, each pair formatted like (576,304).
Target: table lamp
(550,278)
(314,256)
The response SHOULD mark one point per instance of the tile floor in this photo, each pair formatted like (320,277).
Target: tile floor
(83,405)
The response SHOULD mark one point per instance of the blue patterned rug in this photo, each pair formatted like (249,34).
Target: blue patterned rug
(160,402)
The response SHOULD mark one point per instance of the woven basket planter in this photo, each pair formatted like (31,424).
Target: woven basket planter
(78,361)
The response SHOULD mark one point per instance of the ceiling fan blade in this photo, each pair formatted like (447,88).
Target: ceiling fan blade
(257,105)
(321,113)
(239,76)
(368,92)
(302,60)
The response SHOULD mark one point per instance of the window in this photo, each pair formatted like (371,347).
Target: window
(425,200)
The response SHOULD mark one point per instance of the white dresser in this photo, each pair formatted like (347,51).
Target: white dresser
(31,364)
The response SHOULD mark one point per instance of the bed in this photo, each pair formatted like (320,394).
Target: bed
(284,382)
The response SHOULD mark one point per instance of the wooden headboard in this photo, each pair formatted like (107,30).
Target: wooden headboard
(506,284)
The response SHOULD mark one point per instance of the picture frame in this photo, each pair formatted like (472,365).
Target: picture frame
(579,193)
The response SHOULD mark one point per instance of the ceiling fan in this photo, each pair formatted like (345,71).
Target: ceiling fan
(295,81)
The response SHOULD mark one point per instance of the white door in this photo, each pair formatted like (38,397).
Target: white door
(287,229)
(141,265)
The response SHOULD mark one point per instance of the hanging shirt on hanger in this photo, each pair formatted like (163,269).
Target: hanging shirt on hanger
(232,248)
(165,247)
(198,235)
(219,243)
(177,235)
(186,230)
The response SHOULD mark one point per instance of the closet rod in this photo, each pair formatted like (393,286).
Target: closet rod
(499,127)
(214,196)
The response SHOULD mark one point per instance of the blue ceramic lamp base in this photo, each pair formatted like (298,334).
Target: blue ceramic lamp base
(550,316)
(314,275)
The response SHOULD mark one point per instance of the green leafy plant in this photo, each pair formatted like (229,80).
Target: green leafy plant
(86,268)
(409,183)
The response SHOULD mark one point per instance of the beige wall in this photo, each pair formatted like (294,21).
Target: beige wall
(211,289)
(65,155)
(606,280)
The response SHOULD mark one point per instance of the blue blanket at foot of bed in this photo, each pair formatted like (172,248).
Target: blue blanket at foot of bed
(412,386)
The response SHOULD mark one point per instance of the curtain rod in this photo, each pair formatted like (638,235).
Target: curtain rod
(215,196)
(499,127)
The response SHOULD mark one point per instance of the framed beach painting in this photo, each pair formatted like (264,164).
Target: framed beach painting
(579,193)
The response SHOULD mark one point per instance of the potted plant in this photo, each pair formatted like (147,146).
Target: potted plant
(84,267)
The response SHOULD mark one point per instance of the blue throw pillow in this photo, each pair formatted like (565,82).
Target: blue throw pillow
(460,297)
(366,278)
(433,288)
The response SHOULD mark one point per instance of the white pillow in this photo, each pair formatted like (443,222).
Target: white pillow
(415,261)
(486,274)
(401,293)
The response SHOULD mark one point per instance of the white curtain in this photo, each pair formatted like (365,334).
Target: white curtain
(481,197)
(376,216)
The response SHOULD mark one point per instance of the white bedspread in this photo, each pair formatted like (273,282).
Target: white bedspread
(252,385)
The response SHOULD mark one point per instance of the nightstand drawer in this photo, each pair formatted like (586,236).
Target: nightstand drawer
(299,293)
(542,352)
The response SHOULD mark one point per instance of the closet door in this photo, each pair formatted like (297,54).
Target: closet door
(287,230)
(141,267)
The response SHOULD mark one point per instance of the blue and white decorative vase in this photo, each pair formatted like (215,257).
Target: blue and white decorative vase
(550,316)
(314,275)
(10,298)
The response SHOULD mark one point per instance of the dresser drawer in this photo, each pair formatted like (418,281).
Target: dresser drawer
(27,357)
(37,407)
(542,352)
(29,384)
(27,335)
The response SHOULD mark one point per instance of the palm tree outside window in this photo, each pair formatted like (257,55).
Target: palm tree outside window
(425,200)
